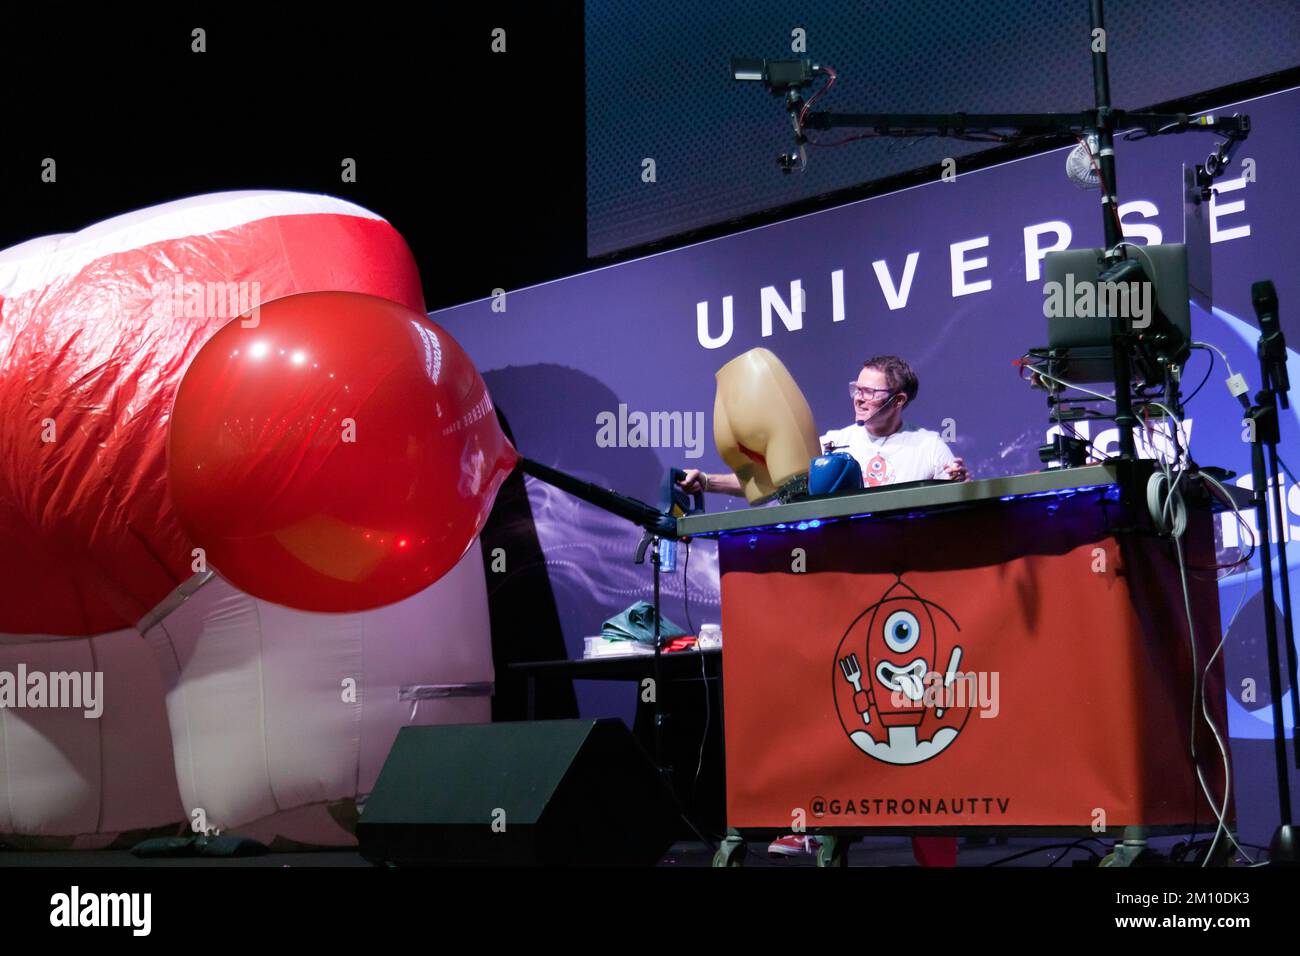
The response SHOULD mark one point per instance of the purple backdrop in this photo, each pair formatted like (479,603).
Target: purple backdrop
(562,357)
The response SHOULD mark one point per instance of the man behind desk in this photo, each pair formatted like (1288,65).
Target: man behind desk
(889,453)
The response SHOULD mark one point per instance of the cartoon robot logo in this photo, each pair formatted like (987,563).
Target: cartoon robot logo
(893,702)
(876,472)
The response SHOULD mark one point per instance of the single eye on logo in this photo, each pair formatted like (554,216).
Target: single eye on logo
(902,631)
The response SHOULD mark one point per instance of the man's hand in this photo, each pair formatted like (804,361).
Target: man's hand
(694,481)
(955,470)
(697,480)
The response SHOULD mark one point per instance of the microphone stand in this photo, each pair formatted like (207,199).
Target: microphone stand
(1264,418)
(658,526)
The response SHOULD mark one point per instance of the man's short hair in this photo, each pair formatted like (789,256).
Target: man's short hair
(898,374)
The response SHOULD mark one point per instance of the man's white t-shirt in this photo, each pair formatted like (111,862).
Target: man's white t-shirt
(910,454)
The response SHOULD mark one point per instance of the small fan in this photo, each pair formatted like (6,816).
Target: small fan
(1079,165)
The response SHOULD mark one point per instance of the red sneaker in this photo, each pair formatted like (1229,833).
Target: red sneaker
(796,844)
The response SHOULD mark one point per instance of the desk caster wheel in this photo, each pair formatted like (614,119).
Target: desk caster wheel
(1123,856)
(731,852)
(834,851)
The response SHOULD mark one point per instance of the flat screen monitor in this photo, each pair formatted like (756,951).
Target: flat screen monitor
(1078,308)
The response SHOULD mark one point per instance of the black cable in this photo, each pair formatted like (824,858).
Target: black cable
(686,583)
(1241,523)
(1062,424)
(1134,135)
(710,841)
(1078,845)
(1286,469)
(1074,432)
(708,717)
(704,675)
(1204,380)
(1050,846)
(1197,692)
(658,745)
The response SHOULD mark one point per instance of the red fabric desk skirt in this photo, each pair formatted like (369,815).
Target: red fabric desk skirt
(1020,663)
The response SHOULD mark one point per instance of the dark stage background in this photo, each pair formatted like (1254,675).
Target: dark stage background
(476,157)
(658,86)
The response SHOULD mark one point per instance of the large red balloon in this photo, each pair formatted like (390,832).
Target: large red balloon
(336,452)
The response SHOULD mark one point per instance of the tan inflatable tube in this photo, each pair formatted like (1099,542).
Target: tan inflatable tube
(762,424)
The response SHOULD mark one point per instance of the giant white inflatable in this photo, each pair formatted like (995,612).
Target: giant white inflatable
(85,777)
(280,718)
(218,709)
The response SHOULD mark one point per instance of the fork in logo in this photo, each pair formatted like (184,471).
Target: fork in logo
(852,672)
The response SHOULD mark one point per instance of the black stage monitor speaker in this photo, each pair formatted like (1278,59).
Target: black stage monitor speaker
(550,792)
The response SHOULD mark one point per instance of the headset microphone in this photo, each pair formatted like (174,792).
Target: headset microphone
(889,401)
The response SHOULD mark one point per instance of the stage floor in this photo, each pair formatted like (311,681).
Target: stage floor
(875,851)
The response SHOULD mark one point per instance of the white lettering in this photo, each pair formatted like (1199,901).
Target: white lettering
(1219,209)
(1034,253)
(896,297)
(961,265)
